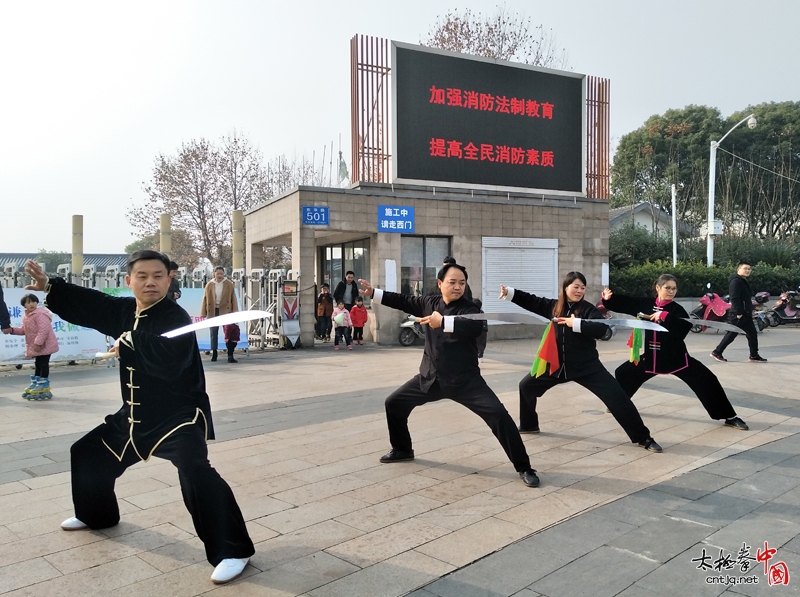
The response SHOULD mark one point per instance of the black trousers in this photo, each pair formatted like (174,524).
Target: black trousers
(42,366)
(697,376)
(746,323)
(358,333)
(214,333)
(476,396)
(342,331)
(602,384)
(324,326)
(215,513)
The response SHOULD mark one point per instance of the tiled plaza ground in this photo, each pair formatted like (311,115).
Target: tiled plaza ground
(299,436)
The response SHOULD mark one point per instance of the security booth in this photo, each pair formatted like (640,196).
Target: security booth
(502,166)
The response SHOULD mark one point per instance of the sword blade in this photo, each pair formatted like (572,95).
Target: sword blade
(529,318)
(633,323)
(719,325)
(213,322)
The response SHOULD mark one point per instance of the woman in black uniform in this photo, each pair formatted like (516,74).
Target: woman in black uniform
(579,361)
(666,354)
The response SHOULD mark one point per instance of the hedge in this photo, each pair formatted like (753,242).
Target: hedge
(638,280)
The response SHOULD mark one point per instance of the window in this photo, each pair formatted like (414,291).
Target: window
(337,260)
(420,260)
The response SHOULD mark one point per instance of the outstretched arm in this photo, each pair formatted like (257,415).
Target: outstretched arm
(79,305)
(529,302)
(416,306)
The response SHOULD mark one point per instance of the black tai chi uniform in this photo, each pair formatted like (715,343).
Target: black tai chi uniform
(165,412)
(579,362)
(449,369)
(666,354)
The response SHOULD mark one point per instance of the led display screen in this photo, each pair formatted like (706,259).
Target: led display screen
(462,120)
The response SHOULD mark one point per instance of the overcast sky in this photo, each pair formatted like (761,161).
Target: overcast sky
(93,91)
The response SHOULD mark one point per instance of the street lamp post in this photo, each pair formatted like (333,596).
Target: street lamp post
(715,228)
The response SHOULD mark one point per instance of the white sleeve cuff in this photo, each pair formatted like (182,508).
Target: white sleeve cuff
(449,323)
(510,295)
(576,325)
(377,294)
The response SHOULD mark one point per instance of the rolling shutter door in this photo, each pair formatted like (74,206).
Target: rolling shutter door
(530,264)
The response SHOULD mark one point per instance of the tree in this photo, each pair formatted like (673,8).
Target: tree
(183,253)
(757,188)
(277,258)
(52,259)
(200,187)
(668,149)
(506,35)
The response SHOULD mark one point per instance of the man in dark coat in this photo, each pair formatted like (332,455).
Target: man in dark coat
(740,314)
(449,369)
(346,291)
(174,292)
(165,410)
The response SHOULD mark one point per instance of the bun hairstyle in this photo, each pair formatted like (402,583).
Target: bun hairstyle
(448,263)
(561,306)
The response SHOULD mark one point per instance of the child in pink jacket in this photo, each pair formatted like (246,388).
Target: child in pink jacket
(40,343)
(342,323)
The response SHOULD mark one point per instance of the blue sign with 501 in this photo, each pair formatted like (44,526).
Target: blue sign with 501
(316,216)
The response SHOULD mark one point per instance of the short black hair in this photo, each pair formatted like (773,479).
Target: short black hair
(325,285)
(219,267)
(173,267)
(349,272)
(29,298)
(446,266)
(743,262)
(359,298)
(147,255)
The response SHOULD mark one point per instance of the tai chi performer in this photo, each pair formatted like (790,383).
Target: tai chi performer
(579,361)
(165,410)
(449,369)
(665,353)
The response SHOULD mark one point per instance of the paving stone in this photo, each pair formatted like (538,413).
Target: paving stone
(576,537)
(679,577)
(754,530)
(764,485)
(693,485)
(641,507)
(603,572)
(745,464)
(500,574)
(716,509)
(662,539)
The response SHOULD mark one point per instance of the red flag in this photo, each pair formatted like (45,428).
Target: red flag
(547,353)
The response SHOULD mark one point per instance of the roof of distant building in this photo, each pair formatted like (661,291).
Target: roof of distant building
(100,260)
(618,214)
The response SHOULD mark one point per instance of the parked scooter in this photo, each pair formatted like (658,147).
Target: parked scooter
(785,310)
(711,307)
(410,330)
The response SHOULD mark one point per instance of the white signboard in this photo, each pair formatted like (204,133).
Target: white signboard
(74,342)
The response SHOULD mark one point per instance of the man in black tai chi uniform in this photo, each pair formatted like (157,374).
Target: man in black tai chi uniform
(449,369)
(165,410)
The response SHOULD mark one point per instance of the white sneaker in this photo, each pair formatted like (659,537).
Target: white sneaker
(228,569)
(73,524)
